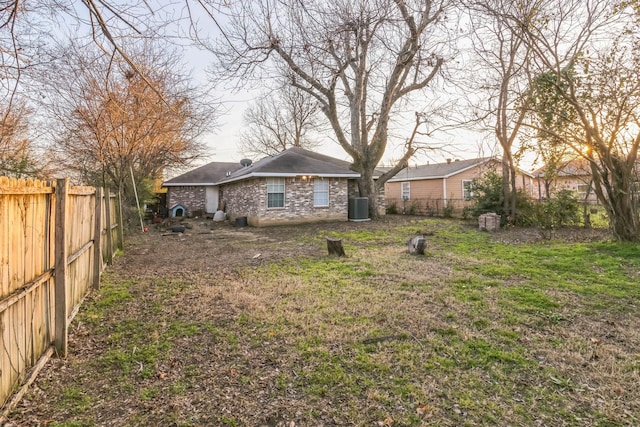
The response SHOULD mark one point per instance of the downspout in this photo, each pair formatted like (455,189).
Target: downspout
(444,192)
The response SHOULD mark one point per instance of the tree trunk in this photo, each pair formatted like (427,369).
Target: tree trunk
(367,188)
(611,185)
(506,185)
(586,215)
(334,247)
(514,193)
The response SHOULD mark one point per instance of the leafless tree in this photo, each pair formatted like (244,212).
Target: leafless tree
(501,74)
(19,157)
(113,122)
(361,61)
(591,49)
(283,118)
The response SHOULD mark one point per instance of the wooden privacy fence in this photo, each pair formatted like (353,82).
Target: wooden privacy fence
(55,240)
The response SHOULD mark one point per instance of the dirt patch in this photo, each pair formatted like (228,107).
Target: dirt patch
(518,235)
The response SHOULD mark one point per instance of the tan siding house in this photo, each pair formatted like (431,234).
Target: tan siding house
(575,176)
(429,189)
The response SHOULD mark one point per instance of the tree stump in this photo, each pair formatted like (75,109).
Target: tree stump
(416,245)
(334,246)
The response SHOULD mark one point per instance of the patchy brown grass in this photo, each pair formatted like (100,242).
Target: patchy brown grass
(251,327)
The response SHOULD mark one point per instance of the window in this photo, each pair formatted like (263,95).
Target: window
(582,189)
(275,192)
(406,190)
(467,189)
(320,192)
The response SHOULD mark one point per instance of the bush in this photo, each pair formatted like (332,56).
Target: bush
(526,210)
(447,211)
(392,209)
(488,197)
(413,208)
(562,209)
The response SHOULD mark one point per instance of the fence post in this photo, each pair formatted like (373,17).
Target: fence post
(107,198)
(97,240)
(120,224)
(60,282)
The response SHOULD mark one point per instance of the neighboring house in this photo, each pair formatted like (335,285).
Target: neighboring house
(294,186)
(432,188)
(574,175)
(197,190)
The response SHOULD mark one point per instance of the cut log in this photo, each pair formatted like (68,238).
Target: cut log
(178,229)
(334,246)
(416,245)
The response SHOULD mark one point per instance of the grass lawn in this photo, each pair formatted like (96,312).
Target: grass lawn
(474,333)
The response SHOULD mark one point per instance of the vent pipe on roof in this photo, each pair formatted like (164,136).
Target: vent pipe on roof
(448,161)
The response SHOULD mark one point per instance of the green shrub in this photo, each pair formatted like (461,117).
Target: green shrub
(414,208)
(488,197)
(562,209)
(526,210)
(392,209)
(447,212)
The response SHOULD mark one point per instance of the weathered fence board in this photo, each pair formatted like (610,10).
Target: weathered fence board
(52,251)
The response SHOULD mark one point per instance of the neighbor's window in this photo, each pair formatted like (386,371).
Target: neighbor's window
(320,192)
(467,189)
(583,189)
(406,190)
(275,192)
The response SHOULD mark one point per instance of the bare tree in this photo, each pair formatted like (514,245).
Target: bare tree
(286,117)
(590,48)
(20,157)
(113,122)
(501,74)
(361,61)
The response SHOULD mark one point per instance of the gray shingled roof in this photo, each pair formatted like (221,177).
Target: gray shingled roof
(208,174)
(294,162)
(575,167)
(438,170)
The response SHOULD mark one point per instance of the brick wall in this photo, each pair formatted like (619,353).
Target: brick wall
(249,198)
(192,198)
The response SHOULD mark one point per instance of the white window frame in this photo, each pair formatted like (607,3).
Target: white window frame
(320,193)
(275,186)
(467,192)
(405,190)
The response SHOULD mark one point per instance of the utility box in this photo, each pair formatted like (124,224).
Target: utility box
(359,209)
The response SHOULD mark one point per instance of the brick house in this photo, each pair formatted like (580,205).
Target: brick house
(197,190)
(294,186)
(430,189)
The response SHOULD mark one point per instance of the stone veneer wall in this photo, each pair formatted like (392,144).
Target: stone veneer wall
(192,198)
(249,198)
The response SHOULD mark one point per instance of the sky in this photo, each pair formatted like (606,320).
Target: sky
(223,141)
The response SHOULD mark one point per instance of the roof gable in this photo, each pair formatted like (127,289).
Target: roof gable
(571,168)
